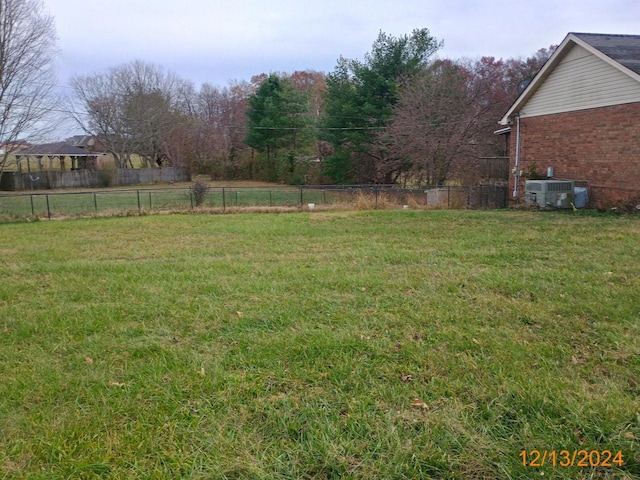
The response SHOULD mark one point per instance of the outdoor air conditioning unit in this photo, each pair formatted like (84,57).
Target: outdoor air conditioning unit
(549,193)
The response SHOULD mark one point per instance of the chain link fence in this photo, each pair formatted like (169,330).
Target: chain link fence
(223,199)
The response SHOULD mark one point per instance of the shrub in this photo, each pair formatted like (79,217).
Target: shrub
(199,192)
(109,174)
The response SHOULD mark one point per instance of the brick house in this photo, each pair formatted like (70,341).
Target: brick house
(579,119)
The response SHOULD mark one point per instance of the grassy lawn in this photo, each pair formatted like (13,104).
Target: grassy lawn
(119,201)
(386,344)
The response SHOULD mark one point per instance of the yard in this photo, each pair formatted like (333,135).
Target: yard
(369,344)
(208,198)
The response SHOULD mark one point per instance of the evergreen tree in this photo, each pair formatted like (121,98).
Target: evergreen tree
(359,102)
(278,125)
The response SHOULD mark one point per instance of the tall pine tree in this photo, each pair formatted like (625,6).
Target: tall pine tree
(278,125)
(359,102)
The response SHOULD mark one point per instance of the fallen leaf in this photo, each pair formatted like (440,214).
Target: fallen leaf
(406,378)
(89,360)
(417,403)
(574,360)
(202,370)
(113,383)
(239,314)
(629,435)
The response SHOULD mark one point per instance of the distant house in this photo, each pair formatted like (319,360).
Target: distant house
(86,142)
(80,159)
(15,146)
(579,119)
(81,141)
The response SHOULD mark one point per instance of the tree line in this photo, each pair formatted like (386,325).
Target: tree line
(399,114)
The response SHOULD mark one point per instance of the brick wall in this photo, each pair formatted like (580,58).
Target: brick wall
(600,146)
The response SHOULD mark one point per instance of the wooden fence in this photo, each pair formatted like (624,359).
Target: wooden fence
(48,180)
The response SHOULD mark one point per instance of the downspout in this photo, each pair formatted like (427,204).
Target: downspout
(516,181)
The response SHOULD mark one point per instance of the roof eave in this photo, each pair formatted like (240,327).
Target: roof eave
(550,65)
(537,80)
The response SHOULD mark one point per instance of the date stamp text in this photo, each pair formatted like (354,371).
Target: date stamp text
(571,458)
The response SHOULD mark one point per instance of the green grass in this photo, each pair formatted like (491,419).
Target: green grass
(111,202)
(386,344)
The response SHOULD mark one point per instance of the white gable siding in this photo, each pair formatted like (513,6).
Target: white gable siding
(580,81)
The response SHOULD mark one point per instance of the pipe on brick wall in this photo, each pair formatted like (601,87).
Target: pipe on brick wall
(516,181)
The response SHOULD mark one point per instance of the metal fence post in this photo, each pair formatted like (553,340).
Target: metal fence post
(224,201)
(301,196)
(32,209)
(138,193)
(48,208)
(95,202)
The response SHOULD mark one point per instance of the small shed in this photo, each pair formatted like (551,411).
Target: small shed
(80,159)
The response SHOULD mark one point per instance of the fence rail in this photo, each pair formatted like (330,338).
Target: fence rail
(105,202)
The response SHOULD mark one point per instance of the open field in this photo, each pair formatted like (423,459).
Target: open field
(317,345)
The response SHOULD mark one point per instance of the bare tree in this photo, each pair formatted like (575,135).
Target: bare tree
(27,79)
(221,128)
(433,123)
(445,117)
(101,97)
(137,108)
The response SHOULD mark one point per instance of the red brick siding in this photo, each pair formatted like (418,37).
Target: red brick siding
(600,146)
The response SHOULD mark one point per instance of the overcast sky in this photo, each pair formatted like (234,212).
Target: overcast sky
(217,41)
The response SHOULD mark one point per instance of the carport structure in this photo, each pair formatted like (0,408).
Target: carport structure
(80,159)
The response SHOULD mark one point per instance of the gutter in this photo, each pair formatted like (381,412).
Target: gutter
(502,131)
(516,183)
